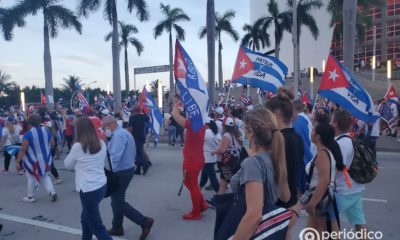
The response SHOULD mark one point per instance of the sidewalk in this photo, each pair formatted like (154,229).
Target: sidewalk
(387,144)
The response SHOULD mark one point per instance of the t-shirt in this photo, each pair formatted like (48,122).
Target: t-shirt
(69,128)
(10,138)
(194,144)
(211,142)
(138,124)
(347,150)
(294,162)
(252,170)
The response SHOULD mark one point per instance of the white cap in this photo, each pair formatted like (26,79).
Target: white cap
(228,122)
(219,110)
(208,120)
(105,112)
(49,124)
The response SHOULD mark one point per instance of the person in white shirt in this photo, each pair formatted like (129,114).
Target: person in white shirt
(348,191)
(372,132)
(211,142)
(10,136)
(87,157)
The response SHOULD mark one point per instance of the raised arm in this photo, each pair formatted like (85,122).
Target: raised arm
(176,114)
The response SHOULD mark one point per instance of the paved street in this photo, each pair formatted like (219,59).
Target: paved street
(155,195)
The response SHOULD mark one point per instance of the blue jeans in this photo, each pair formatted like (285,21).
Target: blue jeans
(208,172)
(119,206)
(90,217)
(171,134)
(141,157)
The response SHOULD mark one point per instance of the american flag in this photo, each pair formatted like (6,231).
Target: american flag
(82,100)
(387,114)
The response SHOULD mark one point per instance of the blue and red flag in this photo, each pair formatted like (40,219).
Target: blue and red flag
(339,86)
(192,88)
(305,98)
(149,107)
(258,70)
(391,94)
(82,100)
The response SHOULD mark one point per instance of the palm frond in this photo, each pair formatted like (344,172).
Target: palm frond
(64,18)
(141,9)
(108,37)
(180,33)
(87,6)
(159,28)
(137,44)
(202,32)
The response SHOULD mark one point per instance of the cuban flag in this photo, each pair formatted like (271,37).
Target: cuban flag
(38,158)
(126,110)
(150,107)
(258,70)
(305,98)
(192,88)
(12,149)
(339,86)
(391,95)
(246,101)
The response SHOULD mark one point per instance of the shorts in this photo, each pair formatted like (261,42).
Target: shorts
(351,206)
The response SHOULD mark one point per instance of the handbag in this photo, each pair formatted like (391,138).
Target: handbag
(112,179)
(230,208)
(327,197)
(230,161)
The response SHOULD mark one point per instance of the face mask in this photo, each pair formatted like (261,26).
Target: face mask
(108,132)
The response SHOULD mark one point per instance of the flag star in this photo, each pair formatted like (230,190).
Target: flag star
(333,75)
(243,64)
(181,64)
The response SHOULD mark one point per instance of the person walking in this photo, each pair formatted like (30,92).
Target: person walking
(122,152)
(87,157)
(69,129)
(171,131)
(137,127)
(211,142)
(9,137)
(348,192)
(193,162)
(36,155)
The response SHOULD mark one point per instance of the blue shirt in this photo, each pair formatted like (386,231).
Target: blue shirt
(122,150)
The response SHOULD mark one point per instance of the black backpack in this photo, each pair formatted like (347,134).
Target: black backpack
(364,167)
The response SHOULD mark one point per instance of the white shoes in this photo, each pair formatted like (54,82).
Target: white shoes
(29,199)
(58,181)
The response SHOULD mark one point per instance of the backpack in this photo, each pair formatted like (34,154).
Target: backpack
(364,167)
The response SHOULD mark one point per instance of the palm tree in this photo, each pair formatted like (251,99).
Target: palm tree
(210,25)
(111,15)
(5,84)
(126,30)
(8,22)
(222,24)
(304,18)
(55,16)
(72,83)
(280,20)
(172,17)
(255,38)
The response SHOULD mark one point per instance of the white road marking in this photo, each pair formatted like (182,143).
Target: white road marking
(375,200)
(52,226)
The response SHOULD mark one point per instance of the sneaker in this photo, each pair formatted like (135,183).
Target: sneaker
(53,197)
(29,199)
(20,172)
(58,181)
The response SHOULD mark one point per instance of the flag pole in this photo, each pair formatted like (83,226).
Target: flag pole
(315,103)
(229,92)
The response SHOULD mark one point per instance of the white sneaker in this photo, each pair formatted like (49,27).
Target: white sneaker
(58,181)
(29,199)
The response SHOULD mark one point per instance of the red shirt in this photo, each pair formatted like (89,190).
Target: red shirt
(69,129)
(194,144)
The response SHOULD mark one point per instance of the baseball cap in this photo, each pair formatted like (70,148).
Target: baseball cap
(10,119)
(228,122)
(219,110)
(208,120)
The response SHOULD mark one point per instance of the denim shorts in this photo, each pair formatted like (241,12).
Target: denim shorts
(351,206)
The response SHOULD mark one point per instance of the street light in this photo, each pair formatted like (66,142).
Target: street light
(23,101)
(312,82)
(323,66)
(389,72)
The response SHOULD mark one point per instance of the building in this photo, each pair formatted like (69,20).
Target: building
(386,21)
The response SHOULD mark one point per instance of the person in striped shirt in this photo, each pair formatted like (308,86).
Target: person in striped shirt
(36,158)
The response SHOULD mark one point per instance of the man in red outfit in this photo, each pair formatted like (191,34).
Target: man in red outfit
(193,162)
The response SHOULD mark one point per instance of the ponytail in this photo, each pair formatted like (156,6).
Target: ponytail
(327,135)
(278,156)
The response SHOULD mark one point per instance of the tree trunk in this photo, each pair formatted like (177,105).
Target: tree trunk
(171,69)
(126,71)
(115,59)
(349,29)
(277,47)
(296,52)
(220,74)
(210,25)
(48,72)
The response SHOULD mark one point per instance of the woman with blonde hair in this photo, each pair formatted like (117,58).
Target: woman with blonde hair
(87,157)
(10,136)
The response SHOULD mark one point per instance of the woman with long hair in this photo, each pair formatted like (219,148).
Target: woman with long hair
(10,136)
(322,171)
(231,138)
(211,142)
(87,157)
(262,171)
(282,107)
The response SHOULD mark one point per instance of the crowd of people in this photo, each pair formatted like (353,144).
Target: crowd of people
(282,152)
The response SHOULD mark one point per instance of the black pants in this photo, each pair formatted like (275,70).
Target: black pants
(141,157)
(208,172)
(69,140)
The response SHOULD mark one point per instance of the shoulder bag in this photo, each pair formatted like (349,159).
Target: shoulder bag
(112,178)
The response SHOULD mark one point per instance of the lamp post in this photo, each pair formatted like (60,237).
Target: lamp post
(23,101)
(389,72)
(323,66)
(312,82)
(374,54)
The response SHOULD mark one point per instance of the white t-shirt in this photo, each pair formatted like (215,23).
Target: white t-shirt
(375,128)
(347,150)
(89,168)
(211,142)
(9,137)
(219,125)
